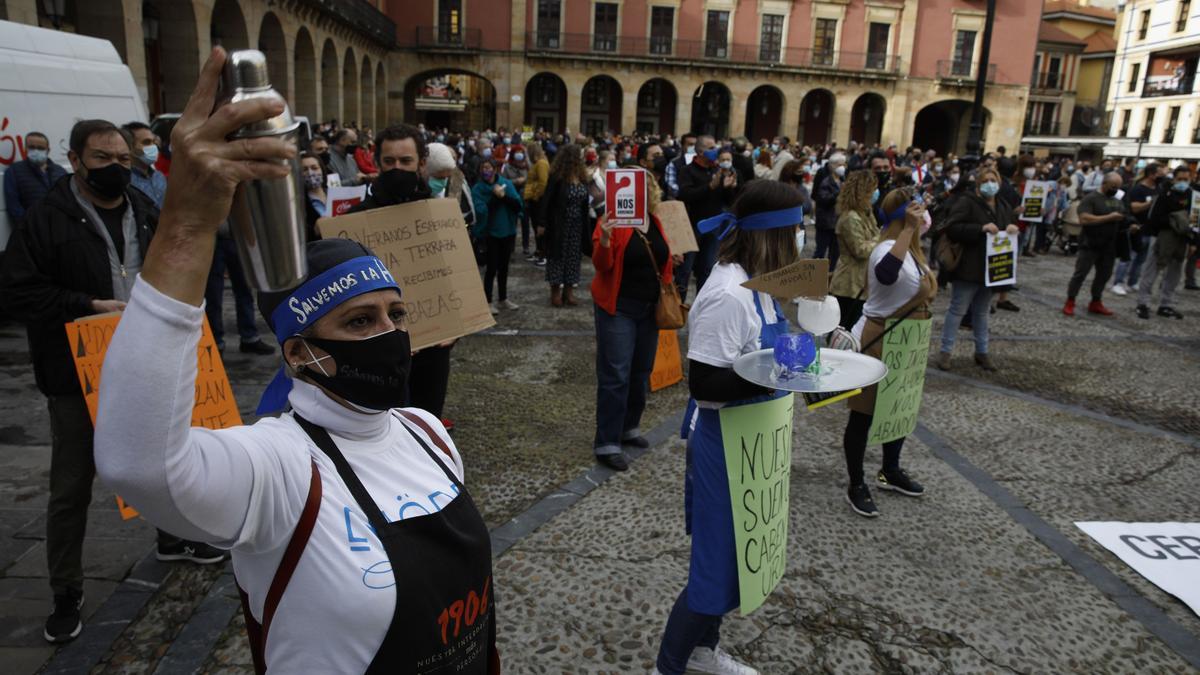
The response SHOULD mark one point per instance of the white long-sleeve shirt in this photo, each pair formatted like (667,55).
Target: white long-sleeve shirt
(244,488)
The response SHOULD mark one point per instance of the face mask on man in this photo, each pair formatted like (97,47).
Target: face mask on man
(989,188)
(313,179)
(397,186)
(519,156)
(437,186)
(38,156)
(1110,192)
(149,154)
(882,178)
(371,373)
(486,153)
(1180,186)
(1029,172)
(108,181)
(774,147)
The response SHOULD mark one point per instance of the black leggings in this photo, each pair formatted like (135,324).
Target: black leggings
(499,252)
(854,441)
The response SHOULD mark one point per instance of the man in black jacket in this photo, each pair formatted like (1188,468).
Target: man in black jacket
(77,253)
(826,216)
(705,191)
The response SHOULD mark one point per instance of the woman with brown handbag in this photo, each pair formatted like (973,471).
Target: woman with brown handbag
(633,265)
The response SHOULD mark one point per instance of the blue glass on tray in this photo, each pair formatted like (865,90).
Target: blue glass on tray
(797,353)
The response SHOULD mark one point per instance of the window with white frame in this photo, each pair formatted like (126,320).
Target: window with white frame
(824,39)
(604,27)
(662,29)
(716,35)
(771,42)
(549,19)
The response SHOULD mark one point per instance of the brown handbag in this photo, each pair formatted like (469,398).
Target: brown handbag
(670,313)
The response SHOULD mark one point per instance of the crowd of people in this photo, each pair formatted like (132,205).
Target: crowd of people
(894,225)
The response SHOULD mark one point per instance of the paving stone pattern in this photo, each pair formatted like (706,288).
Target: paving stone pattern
(948,583)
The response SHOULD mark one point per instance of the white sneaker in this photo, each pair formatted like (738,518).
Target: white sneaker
(716,662)
(509,304)
(1135,288)
(1119,289)
(495,308)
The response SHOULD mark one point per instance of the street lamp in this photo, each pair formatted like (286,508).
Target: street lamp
(55,10)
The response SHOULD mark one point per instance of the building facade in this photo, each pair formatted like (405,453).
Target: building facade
(816,70)
(330,58)
(1154,95)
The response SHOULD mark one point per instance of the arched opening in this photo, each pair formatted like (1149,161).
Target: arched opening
(172,53)
(816,117)
(866,119)
(271,44)
(330,84)
(710,110)
(305,65)
(943,126)
(546,103)
(350,88)
(367,85)
(381,116)
(764,113)
(457,100)
(228,28)
(656,104)
(600,109)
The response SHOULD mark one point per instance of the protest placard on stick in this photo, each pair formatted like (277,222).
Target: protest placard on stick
(215,406)
(426,247)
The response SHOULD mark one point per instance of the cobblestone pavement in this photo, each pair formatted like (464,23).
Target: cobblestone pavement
(1088,419)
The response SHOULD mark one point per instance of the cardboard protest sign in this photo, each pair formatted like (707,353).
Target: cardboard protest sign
(340,199)
(1034,200)
(215,406)
(805,278)
(668,363)
(426,247)
(898,398)
(758,459)
(677,227)
(1000,263)
(1167,554)
(625,197)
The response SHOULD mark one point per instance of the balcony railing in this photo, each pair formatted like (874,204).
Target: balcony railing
(1048,82)
(359,15)
(962,71)
(705,50)
(445,37)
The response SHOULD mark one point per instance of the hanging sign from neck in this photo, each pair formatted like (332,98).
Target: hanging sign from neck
(625,197)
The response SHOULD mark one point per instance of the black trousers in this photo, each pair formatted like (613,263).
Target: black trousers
(429,378)
(499,253)
(854,442)
(851,310)
(1103,260)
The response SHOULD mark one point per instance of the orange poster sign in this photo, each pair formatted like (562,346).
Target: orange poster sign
(668,364)
(215,406)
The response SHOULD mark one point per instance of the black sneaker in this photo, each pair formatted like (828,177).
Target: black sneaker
(616,462)
(1143,312)
(1191,286)
(192,551)
(64,623)
(859,499)
(899,481)
(1169,312)
(256,347)
(636,442)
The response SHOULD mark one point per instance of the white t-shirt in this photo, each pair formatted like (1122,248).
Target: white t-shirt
(244,488)
(882,299)
(723,323)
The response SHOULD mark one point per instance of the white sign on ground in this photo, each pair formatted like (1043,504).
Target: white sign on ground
(1168,554)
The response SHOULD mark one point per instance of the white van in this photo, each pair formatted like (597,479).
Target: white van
(49,80)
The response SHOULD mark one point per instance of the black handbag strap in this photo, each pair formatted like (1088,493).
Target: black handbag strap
(650,250)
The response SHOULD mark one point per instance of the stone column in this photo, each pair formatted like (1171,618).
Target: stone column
(135,46)
(22,11)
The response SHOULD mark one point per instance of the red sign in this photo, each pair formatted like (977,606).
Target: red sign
(342,198)
(625,197)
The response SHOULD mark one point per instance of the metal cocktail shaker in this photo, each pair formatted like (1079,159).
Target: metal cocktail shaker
(267,217)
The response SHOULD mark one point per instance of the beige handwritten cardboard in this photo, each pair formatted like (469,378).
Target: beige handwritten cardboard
(426,247)
(677,227)
(807,278)
(215,406)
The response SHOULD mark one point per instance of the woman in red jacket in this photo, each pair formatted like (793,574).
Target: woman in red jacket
(629,263)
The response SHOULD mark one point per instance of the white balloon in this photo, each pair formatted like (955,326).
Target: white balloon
(818,316)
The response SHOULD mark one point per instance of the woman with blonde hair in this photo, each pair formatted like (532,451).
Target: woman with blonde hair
(857,234)
(899,286)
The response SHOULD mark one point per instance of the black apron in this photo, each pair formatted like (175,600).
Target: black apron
(444,621)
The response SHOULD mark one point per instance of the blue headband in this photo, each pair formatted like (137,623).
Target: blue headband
(768,220)
(313,300)
(897,214)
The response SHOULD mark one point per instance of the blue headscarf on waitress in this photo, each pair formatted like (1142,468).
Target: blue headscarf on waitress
(767,220)
(338,269)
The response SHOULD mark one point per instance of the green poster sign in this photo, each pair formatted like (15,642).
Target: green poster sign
(758,458)
(905,353)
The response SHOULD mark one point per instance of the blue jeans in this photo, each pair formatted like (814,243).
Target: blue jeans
(225,256)
(625,347)
(1129,271)
(685,631)
(966,295)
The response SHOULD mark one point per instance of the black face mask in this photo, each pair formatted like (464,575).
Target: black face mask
(1111,192)
(325,157)
(882,178)
(108,181)
(397,186)
(371,373)
(660,164)
(351,149)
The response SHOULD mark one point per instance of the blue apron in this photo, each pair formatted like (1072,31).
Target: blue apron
(712,586)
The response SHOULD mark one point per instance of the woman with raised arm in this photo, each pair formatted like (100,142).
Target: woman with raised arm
(355,544)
